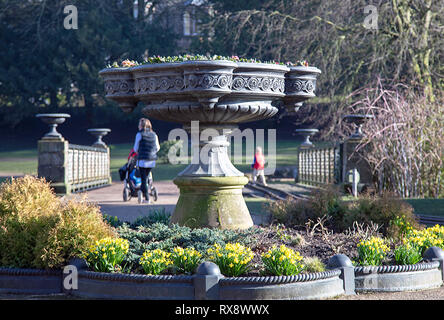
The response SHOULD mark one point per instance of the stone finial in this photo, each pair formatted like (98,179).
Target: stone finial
(339,261)
(206,281)
(208,268)
(434,253)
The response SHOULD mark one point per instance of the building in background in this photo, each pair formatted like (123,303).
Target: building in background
(183,17)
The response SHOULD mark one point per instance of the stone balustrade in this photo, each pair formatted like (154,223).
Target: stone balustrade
(70,167)
(88,167)
(319,165)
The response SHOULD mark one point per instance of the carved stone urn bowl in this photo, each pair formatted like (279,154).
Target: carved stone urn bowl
(219,95)
(300,85)
(53,119)
(306,133)
(99,133)
(358,120)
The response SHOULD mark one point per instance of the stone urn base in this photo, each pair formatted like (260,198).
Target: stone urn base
(215,202)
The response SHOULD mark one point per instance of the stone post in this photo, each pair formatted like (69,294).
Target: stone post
(53,163)
(206,281)
(99,133)
(343,263)
(353,160)
(53,158)
(435,254)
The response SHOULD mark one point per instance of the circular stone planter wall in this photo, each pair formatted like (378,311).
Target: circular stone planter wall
(30,281)
(398,278)
(134,286)
(300,287)
(208,286)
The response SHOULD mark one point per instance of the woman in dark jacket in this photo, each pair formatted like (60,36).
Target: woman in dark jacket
(146,145)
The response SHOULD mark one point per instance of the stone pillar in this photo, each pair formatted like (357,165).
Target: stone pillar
(211,186)
(352,160)
(53,163)
(343,263)
(206,281)
(99,133)
(435,254)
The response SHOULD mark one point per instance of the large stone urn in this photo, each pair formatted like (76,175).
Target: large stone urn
(209,98)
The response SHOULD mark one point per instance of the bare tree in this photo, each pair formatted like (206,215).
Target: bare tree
(406,45)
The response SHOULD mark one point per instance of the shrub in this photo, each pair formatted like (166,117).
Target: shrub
(372,252)
(186,260)
(107,254)
(113,221)
(38,230)
(313,264)
(168,147)
(407,254)
(384,211)
(322,202)
(161,236)
(394,216)
(78,226)
(233,259)
(155,261)
(282,261)
(155,216)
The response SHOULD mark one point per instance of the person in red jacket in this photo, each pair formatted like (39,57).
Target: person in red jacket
(258,166)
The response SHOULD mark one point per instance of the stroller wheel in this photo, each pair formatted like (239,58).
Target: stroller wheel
(139,197)
(155,194)
(126,194)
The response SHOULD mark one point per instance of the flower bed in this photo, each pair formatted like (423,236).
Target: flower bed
(272,262)
(198,57)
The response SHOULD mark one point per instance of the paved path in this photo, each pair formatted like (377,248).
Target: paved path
(110,200)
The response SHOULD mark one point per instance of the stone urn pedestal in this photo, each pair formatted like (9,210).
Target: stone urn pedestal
(99,133)
(306,133)
(215,95)
(358,120)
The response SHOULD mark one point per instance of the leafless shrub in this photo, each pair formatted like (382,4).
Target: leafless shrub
(318,226)
(363,230)
(404,143)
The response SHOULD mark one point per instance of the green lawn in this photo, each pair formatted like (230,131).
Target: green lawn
(256,205)
(428,207)
(25,161)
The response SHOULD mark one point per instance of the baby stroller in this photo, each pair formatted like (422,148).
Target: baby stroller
(129,173)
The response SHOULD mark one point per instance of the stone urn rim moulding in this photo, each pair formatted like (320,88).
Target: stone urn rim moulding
(219,94)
